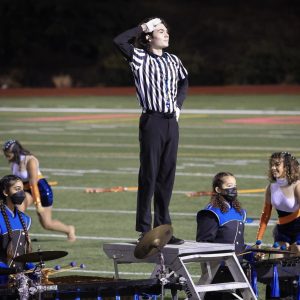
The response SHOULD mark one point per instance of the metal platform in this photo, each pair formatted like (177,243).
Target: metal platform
(124,252)
(209,255)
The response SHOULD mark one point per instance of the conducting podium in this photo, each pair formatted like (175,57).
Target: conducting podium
(172,261)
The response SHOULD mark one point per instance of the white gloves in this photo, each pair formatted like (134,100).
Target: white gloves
(152,24)
(177,113)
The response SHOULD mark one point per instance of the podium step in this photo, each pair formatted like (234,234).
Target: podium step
(176,259)
(213,287)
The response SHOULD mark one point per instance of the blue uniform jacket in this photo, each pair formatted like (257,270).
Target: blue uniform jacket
(217,227)
(18,236)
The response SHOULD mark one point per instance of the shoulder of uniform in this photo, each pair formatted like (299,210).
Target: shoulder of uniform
(139,51)
(25,217)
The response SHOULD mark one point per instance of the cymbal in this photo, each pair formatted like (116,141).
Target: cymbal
(153,241)
(40,256)
(268,251)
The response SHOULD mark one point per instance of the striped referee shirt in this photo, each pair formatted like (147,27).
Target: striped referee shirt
(160,81)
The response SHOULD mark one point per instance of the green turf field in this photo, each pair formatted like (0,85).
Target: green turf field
(96,149)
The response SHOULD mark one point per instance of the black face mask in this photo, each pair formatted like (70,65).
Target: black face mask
(230,194)
(18,197)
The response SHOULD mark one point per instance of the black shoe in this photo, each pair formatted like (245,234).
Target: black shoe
(175,241)
(142,234)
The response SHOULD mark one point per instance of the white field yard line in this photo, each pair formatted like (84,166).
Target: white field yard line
(123,110)
(86,237)
(80,172)
(52,132)
(133,212)
(113,126)
(182,146)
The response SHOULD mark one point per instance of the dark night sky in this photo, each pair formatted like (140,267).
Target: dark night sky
(219,41)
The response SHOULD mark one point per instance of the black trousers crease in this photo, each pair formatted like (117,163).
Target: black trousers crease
(158,138)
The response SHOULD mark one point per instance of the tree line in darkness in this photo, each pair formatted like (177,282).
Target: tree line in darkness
(221,42)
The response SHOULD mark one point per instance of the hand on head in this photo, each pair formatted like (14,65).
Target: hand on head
(150,25)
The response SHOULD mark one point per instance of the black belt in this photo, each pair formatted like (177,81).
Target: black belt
(160,114)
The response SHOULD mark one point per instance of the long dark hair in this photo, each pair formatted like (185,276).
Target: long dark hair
(217,200)
(142,41)
(5,183)
(290,163)
(16,148)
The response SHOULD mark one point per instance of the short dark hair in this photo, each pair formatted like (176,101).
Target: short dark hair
(142,41)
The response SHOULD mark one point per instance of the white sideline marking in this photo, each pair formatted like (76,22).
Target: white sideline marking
(133,212)
(54,132)
(80,172)
(126,110)
(80,237)
(182,146)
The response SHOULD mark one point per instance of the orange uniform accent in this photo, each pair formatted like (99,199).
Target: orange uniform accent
(289,218)
(35,195)
(264,219)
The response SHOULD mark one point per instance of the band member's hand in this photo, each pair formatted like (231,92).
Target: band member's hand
(177,113)
(150,26)
(259,255)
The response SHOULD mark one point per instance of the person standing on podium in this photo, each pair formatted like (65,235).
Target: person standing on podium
(161,83)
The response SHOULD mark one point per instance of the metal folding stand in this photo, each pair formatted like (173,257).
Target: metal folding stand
(175,258)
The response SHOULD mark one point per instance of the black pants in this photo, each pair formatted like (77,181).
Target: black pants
(158,135)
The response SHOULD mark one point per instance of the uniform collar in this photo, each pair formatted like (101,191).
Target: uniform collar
(12,213)
(157,56)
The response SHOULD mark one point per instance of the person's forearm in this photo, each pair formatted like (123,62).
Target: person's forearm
(182,92)
(123,41)
(264,219)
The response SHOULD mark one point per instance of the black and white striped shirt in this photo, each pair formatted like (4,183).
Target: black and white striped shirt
(161,81)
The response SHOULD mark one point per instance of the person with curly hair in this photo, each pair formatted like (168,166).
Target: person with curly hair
(25,165)
(282,193)
(14,224)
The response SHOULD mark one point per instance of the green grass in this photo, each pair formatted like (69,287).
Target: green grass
(104,153)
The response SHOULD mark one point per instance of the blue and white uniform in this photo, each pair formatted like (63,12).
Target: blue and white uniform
(217,227)
(18,237)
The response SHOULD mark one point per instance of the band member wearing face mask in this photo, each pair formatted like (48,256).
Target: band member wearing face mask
(283,193)
(14,224)
(37,190)
(222,221)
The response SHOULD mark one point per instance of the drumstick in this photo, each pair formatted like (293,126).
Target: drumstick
(206,193)
(112,189)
